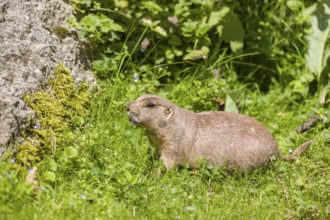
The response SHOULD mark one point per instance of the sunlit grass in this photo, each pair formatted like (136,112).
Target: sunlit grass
(116,175)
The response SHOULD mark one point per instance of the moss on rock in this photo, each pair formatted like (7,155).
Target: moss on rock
(55,111)
(61,32)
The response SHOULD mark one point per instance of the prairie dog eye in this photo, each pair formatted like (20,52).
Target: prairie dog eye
(150,105)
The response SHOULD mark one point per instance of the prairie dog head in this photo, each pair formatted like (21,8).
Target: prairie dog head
(150,111)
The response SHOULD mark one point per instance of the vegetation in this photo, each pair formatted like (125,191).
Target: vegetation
(58,111)
(93,164)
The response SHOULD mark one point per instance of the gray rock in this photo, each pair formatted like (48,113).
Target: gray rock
(29,52)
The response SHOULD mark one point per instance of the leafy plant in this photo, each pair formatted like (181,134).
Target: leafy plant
(149,24)
(167,37)
(96,165)
(318,54)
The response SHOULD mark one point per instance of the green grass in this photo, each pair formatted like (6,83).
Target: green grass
(102,167)
(115,176)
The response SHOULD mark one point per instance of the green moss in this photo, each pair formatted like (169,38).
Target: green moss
(28,153)
(55,111)
(61,32)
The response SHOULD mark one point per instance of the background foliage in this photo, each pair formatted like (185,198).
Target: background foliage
(191,34)
(258,56)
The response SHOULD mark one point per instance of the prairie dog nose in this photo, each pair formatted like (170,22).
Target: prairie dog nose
(128,106)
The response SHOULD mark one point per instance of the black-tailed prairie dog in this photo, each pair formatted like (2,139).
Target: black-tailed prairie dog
(221,138)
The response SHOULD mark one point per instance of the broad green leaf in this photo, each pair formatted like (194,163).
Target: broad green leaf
(316,59)
(90,22)
(151,6)
(205,50)
(174,40)
(220,29)
(236,46)
(78,3)
(202,29)
(320,26)
(177,52)
(217,16)
(169,55)
(188,27)
(160,31)
(147,22)
(234,32)
(50,176)
(230,105)
(155,23)
(197,54)
(104,65)
(299,87)
(107,24)
(121,3)
(110,25)
(72,21)
(295,5)
(324,83)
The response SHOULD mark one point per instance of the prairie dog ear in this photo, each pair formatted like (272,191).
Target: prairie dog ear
(168,112)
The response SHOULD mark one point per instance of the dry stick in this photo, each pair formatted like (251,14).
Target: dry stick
(298,151)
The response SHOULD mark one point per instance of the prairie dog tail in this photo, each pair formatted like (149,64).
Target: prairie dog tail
(298,151)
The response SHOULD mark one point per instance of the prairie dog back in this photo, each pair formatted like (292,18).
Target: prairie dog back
(221,138)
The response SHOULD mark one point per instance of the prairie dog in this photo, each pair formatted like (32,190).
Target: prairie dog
(221,138)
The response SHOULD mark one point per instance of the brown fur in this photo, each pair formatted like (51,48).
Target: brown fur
(221,138)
